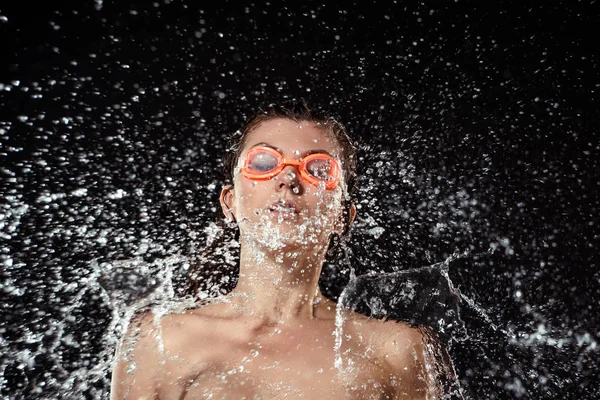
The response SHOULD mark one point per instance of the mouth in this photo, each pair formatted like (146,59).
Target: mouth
(284,208)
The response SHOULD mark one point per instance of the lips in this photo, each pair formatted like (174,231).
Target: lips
(284,207)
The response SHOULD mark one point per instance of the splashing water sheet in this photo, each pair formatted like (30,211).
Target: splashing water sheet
(477,193)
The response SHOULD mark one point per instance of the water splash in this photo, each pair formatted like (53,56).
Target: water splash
(457,155)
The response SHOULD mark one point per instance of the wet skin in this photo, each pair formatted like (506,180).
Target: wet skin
(273,336)
(221,351)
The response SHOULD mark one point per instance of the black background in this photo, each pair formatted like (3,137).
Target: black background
(477,128)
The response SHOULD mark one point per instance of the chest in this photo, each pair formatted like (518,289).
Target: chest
(276,364)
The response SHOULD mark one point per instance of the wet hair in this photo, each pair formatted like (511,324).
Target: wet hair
(297,111)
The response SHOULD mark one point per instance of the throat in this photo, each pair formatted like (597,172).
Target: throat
(279,285)
(277,305)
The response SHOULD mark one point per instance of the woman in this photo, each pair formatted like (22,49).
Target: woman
(273,336)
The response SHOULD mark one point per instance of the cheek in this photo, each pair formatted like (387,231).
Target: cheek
(325,201)
(252,193)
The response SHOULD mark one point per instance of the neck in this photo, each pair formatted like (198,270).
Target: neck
(279,285)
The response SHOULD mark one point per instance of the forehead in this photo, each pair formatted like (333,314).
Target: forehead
(291,136)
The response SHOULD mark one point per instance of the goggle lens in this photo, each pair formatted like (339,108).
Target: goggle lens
(320,168)
(261,162)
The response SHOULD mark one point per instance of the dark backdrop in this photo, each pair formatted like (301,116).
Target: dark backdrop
(477,124)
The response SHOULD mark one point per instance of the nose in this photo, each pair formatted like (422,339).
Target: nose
(289,176)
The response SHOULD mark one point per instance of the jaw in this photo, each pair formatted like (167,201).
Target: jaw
(284,234)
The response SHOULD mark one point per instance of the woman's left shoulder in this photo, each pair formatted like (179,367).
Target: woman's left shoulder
(390,329)
(384,329)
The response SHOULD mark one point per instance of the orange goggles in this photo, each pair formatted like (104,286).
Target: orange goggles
(263,163)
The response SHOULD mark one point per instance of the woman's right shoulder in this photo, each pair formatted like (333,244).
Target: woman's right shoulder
(213,310)
(148,328)
(136,372)
(142,333)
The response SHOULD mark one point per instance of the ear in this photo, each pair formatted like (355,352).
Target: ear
(227,202)
(343,225)
(352,214)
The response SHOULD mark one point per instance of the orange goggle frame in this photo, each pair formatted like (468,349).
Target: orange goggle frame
(331,179)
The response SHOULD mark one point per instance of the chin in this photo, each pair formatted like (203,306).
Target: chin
(275,234)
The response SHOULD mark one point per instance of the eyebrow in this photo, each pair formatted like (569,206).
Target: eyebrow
(304,154)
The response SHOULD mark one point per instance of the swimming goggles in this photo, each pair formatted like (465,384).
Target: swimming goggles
(263,163)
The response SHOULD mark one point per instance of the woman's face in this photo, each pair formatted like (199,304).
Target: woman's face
(286,208)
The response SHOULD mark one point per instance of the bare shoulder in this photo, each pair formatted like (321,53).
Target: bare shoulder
(417,358)
(193,324)
(380,328)
(398,336)
(141,336)
(402,350)
(136,374)
(155,347)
